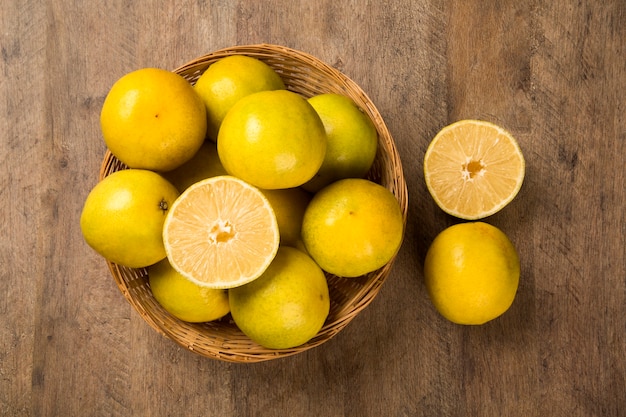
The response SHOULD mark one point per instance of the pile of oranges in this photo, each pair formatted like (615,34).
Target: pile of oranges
(240,196)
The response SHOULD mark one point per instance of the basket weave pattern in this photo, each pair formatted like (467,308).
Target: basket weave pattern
(306,75)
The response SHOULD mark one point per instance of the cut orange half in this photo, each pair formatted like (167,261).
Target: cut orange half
(221,233)
(473,169)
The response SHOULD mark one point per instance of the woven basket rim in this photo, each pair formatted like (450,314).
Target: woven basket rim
(220,340)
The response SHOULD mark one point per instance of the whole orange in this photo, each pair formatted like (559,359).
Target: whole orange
(123,216)
(272,139)
(471,273)
(229,80)
(153,119)
(352,227)
(352,140)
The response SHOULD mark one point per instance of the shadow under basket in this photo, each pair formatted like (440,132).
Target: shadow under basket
(221,339)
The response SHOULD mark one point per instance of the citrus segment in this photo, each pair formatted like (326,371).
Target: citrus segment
(473,168)
(221,233)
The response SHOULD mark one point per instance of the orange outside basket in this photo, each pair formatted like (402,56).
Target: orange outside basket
(308,76)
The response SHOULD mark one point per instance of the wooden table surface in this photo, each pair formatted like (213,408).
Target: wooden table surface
(551,72)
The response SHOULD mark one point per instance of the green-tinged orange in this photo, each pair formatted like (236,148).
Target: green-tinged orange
(204,164)
(286,306)
(183,298)
(272,139)
(230,79)
(352,140)
(123,216)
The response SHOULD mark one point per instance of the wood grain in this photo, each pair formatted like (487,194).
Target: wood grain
(551,72)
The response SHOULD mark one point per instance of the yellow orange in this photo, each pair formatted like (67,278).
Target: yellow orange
(230,79)
(153,119)
(183,298)
(472,273)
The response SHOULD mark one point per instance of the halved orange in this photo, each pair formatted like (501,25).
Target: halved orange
(221,233)
(473,169)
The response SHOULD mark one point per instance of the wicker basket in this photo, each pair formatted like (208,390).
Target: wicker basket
(221,339)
